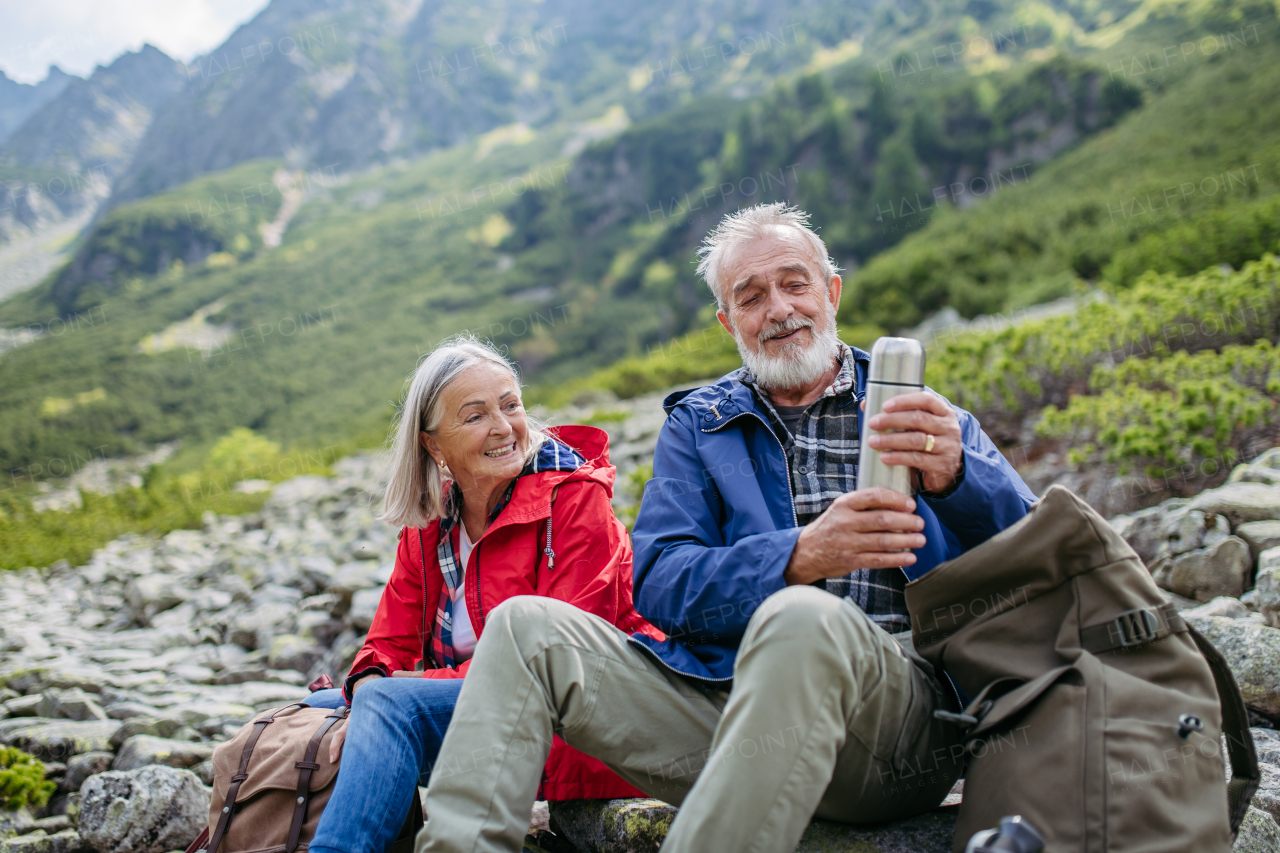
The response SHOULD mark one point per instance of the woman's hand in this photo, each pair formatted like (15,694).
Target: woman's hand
(339,737)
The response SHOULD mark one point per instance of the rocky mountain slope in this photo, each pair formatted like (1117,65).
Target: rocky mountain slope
(19,100)
(61,163)
(124,674)
(345,84)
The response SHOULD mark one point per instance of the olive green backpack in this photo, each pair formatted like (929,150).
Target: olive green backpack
(1096,711)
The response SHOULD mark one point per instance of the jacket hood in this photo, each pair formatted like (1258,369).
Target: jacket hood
(532,496)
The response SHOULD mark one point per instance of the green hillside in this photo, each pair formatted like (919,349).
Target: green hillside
(1184,184)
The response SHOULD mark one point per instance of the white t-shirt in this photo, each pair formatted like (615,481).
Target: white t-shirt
(464,637)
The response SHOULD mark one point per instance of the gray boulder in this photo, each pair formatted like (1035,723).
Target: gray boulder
(1267,798)
(289,651)
(1145,530)
(364,605)
(127,710)
(14,822)
(154,726)
(1224,606)
(23,706)
(1267,586)
(58,740)
(150,810)
(1240,502)
(1222,569)
(143,750)
(73,704)
(1259,535)
(154,593)
(81,767)
(1264,469)
(40,841)
(1252,651)
(255,628)
(1258,834)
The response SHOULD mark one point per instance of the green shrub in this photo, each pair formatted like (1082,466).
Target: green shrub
(22,781)
(1174,370)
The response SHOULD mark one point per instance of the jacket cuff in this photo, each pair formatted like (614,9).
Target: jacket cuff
(348,686)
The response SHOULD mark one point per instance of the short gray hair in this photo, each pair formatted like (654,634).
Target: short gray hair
(415,483)
(752,223)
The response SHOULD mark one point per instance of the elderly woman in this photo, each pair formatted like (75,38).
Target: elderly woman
(490,507)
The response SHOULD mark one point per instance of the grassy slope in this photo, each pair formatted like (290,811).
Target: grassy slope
(1079,211)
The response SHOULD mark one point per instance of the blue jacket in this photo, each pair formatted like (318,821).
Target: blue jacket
(716,526)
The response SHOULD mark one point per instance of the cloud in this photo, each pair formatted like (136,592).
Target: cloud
(76,35)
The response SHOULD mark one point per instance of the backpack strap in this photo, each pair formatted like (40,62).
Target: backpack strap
(306,767)
(1245,774)
(242,773)
(1132,628)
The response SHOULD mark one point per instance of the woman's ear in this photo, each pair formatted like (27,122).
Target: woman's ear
(430,445)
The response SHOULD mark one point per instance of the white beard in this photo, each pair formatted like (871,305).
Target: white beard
(796,365)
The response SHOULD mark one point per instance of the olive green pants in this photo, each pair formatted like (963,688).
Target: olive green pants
(827,716)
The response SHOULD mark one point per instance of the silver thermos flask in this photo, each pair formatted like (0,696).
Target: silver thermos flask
(897,367)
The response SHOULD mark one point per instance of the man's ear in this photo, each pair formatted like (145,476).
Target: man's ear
(724,321)
(833,291)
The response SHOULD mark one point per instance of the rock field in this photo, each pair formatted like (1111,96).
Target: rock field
(122,675)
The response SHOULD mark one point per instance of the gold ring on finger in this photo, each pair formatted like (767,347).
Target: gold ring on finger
(928,443)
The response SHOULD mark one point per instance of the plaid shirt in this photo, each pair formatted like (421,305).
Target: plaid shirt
(822,460)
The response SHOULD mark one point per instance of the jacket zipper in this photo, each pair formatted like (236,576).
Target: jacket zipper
(795,522)
(475,551)
(791,498)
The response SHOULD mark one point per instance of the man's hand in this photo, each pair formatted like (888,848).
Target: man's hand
(866,529)
(915,417)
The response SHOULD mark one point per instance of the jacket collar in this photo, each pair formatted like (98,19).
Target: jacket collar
(716,404)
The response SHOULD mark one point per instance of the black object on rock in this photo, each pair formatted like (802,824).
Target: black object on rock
(1014,835)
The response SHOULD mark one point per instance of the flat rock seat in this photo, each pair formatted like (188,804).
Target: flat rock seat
(640,825)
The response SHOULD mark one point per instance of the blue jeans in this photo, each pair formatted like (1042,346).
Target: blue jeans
(393,738)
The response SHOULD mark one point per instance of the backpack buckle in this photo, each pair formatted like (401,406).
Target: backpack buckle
(1134,627)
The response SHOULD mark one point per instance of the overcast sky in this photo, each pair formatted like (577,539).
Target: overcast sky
(76,35)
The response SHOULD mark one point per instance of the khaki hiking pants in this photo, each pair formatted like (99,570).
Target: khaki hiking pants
(827,716)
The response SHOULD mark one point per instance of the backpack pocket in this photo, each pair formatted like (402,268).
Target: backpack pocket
(1031,764)
(1159,785)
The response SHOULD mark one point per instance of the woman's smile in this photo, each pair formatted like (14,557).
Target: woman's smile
(499,452)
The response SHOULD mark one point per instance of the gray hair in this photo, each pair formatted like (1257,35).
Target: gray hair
(415,483)
(752,223)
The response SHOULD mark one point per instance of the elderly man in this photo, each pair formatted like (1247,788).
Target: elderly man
(780,691)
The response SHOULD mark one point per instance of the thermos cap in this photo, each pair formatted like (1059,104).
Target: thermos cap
(897,360)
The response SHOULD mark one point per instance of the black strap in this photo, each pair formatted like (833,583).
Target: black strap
(1245,774)
(305,768)
(1132,628)
(242,773)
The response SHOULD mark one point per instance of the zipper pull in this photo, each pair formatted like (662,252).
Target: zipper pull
(551,555)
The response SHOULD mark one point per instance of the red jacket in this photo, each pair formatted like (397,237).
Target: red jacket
(592,571)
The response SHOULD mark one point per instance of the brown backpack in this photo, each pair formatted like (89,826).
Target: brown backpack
(272,780)
(1096,711)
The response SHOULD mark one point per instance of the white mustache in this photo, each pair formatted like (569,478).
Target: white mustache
(789,325)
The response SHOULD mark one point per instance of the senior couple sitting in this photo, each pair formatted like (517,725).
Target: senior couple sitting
(756,681)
